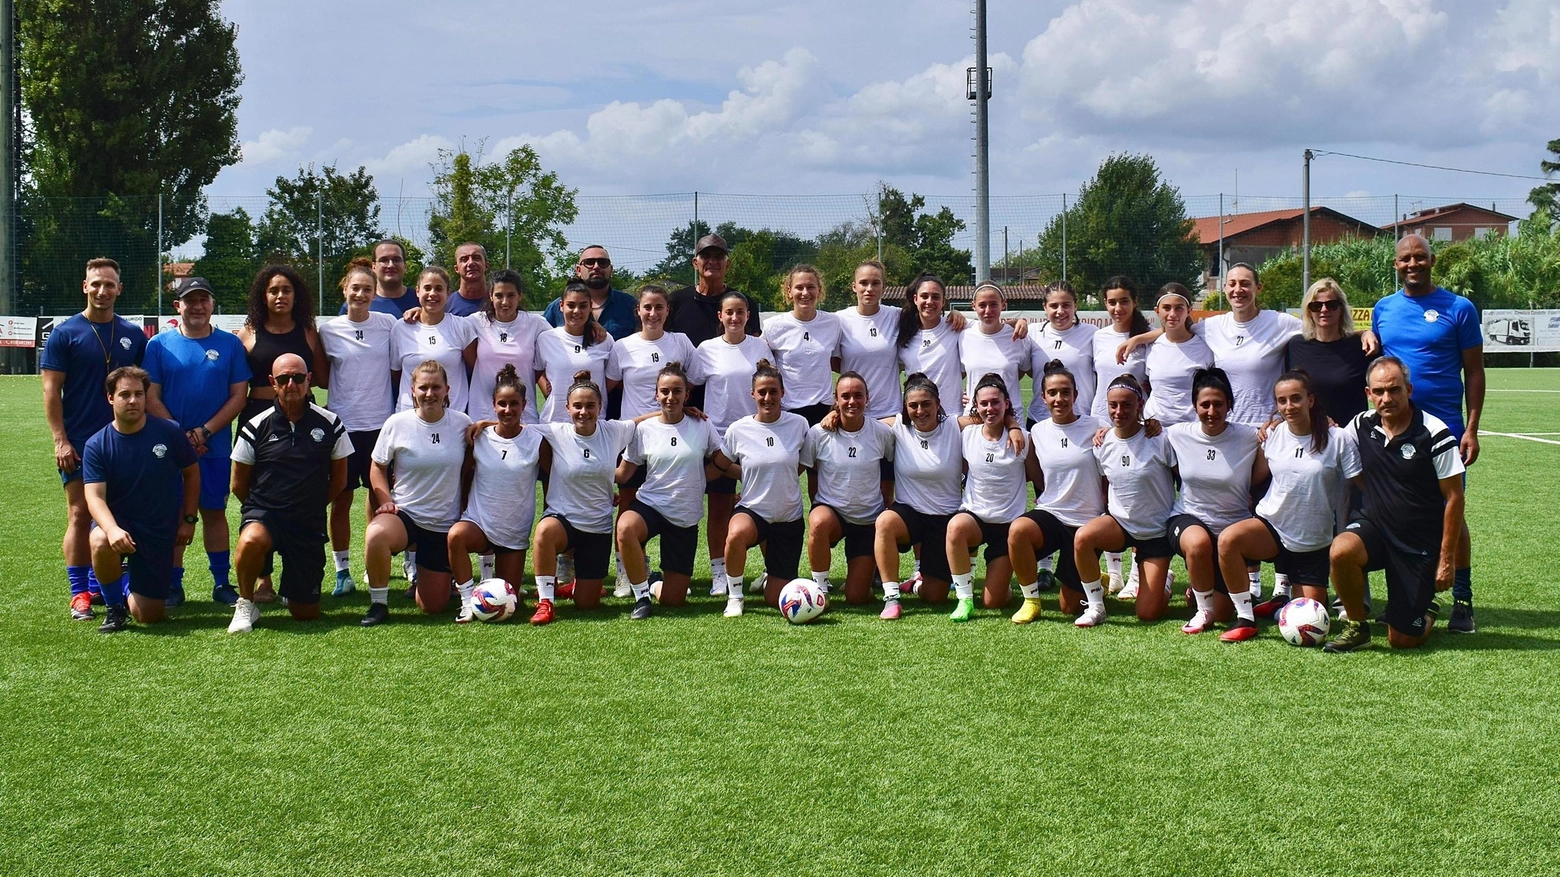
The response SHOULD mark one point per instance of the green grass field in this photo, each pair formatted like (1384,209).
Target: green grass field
(695,744)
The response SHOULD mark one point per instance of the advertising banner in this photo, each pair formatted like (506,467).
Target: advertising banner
(18,331)
(1521,331)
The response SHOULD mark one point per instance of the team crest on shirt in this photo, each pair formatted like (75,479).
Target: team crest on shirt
(1407,451)
(1432,315)
(211,355)
(125,343)
(317,434)
(159,450)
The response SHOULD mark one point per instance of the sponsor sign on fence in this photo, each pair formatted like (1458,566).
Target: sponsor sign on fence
(1521,331)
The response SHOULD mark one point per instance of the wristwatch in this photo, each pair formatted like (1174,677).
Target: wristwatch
(192,519)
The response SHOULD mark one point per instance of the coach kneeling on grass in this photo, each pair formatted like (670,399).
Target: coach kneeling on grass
(289,462)
(1413,515)
(142,486)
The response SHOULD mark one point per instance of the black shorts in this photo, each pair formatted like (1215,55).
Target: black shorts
(591,550)
(931,533)
(302,550)
(636,481)
(1154,546)
(678,544)
(1179,524)
(993,535)
(720,486)
(886,470)
(151,566)
(1303,567)
(1058,540)
(813,414)
(1410,575)
(433,547)
(781,541)
(858,537)
(361,461)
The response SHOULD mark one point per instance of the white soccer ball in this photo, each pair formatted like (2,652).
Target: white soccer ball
(1304,622)
(493,600)
(801,600)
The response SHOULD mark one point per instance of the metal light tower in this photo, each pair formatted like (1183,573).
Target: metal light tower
(979,81)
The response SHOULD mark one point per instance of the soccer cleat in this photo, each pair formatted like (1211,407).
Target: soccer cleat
(227,595)
(1028,612)
(344,584)
(964,610)
(734,607)
(544,612)
(718,586)
(760,582)
(1241,631)
(564,590)
(564,571)
(115,618)
(643,609)
(264,593)
(1462,617)
(1200,622)
(912,584)
(1093,616)
(1256,590)
(1129,592)
(1355,635)
(1114,585)
(622,588)
(465,615)
(245,614)
(81,607)
(175,597)
(890,611)
(97,597)
(378,613)
(1269,607)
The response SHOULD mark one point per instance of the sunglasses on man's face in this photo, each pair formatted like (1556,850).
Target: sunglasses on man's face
(284,380)
(1329,305)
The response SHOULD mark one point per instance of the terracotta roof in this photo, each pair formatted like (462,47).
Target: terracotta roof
(1023,292)
(1435,213)
(1207,227)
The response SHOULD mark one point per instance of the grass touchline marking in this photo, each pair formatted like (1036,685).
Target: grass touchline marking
(1524,437)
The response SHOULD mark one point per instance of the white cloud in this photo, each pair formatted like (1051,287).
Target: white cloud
(275,145)
(410,159)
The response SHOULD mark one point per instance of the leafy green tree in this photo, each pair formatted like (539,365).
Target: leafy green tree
(345,207)
(1546,198)
(842,248)
(676,268)
(925,238)
(1362,266)
(1127,220)
(121,101)
(232,258)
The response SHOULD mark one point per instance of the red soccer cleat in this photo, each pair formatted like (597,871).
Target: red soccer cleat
(1242,631)
(544,612)
(81,607)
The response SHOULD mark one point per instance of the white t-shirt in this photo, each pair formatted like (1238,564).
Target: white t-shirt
(802,353)
(769,454)
(498,345)
(425,460)
(1252,354)
(558,356)
(868,347)
(359,354)
(998,352)
(1306,485)
(502,501)
(847,469)
(412,344)
(637,361)
(1106,369)
(925,476)
(1072,491)
(1142,487)
(1170,368)
(673,455)
(935,353)
(581,483)
(1215,472)
(994,487)
(1075,348)
(726,371)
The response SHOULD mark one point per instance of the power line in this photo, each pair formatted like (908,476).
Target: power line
(1434,167)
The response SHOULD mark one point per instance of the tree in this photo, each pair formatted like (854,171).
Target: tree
(676,269)
(340,210)
(1126,220)
(123,101)
(926,238)
(231,260)
(1546,198)
(842,248)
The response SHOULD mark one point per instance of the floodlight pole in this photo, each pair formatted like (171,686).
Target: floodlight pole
(982,164)
(12,358)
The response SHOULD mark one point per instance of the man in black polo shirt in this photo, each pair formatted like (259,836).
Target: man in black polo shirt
(289,461)
(695,310)
(1413,515)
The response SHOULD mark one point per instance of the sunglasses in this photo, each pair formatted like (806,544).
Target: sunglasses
(284,380)
(1317,307)
(596,263)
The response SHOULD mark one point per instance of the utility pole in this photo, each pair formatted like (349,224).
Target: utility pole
(8,174)
(1305,226)
(982,94)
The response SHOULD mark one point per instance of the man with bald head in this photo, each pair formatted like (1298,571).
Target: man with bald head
(1435,332)
(289,461)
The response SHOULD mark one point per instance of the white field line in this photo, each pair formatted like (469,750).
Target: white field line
(1526,438)
(1515,390)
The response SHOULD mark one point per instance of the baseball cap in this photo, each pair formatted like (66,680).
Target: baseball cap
(711,241)
(194,284)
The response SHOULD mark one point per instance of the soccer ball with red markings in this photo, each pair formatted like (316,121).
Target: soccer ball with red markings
(801,600)
(493,600)
(1304,622)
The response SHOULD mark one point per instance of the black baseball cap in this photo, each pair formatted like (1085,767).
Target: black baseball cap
(194,284)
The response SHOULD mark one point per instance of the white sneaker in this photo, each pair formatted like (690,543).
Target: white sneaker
(565,571)
(911,585)
(1200,622)
(734,607)
(760,582)
(465,615)
(409,570)
(1092,616)
(622,588)
(718,586)
(245,614)
(1114,585)
(1129,592)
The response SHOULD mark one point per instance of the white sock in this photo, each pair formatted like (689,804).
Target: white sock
(964,586)
(1242,601)
(822,578)
(379,595)
(544,587)
(1031,590)
(918,566)
(717,568)
(488,564)
(1132,577)
(1280,584)
(890,592)
(411,559)
(343,560)
(641,589)
(733,587)
(465,591)
(1047,563)
(1095,593)
(1255,577)
(1204,600)
(1113,563)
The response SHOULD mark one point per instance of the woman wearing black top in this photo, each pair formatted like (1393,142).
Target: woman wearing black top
(281,320)
(1329,351)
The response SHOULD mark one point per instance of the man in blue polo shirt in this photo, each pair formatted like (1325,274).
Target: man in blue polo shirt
(614,309)
(471,290)
(390,293)
(142,485)
(1435,332)
(77,358)
(200,378)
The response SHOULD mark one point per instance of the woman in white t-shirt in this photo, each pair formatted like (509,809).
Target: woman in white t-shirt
(575,346)
(499,488)
(724,367)
(769,450)
(1218,462)
(357,344)
(995,493)
(1061,464)
(634,365)
(506,335)
(578,513)
(432,334)
(673,449)
(869,336)
(927,343)
(416,489)
(990,347)
(1174,357)
(1140,471)
(848,456)
(1069,340)
(1294,524)
(1121,303)
(806,345)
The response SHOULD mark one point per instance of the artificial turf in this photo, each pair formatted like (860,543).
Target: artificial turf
(696,744)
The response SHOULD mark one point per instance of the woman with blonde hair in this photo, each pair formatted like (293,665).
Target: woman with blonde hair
(1329,350)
